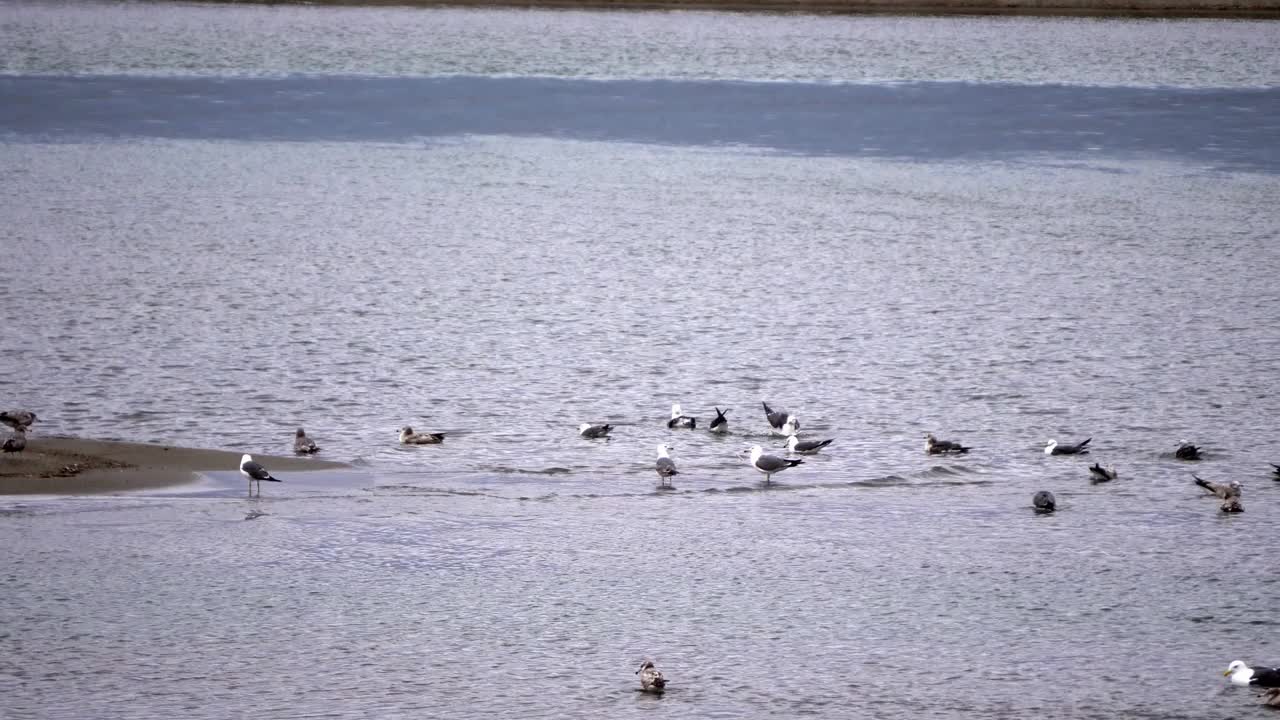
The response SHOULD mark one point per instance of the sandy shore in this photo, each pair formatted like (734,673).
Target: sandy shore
(60,466)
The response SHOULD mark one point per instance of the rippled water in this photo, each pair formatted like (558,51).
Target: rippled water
(213,260)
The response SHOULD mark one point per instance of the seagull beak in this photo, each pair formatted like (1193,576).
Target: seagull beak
(1226,673)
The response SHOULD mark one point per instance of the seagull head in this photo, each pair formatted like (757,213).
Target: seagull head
(675,410)
(792,441)
(663,449)
(1236,665)
(756,452)
(1235,485)
(1048,449)
(246,458)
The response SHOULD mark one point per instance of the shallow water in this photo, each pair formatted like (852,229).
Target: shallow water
(210,255)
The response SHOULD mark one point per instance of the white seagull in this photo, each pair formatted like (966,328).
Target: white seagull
(781,422)
(1242,674)
(1053,448)
(770,464)
(665,466)
(806,447)
(680,420)
(255,473)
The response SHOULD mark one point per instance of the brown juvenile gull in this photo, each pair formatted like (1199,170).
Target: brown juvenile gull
(665,466)
(16,442)
(409,437)
(18,419)
(304,445)
(255,473)
(934,446)
(1053,448)
(1044,502)
(1221,490)
(651,679)
(680,420)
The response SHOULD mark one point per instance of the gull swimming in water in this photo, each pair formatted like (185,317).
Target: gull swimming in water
(587,430)
(1187,451)
(806,447)
(781,422)
(651,679)
(770,464)
(1102,474)
(16,442)
(1221,490)
(721,424)
(934,446)
(1044,502)
(255,473)
(18,419)
(304,445)
(409,437)
(1053,448)
(1276,471)
(680,420)
(665,466)
(1271,697)
(1242,674)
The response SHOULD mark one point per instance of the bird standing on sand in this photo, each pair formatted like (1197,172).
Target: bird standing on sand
(665,466)
(651,679)
(255,473)
(934,446)
(587,430)
(18,419)
(721,423)
(304,445)
(1242,674)
(1102,474)
(781,422)
(409,437)
(770,464)
(1187,451)
(1053,448)
(806,447)
(1044,502)
(680,420)
(16,442)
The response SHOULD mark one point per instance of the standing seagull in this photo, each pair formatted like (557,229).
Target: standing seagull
(1242,674)
(1043,502)
(409,437)
(1053,448)
(587,430)
(17,442)
(255,473)
(721,425)
(934,446)
(651,679)
(680,420)
(1102,474)
(770,464)
(1187,451)
(807,447)
(18,419)
(665,466)
(781,422)
(304,445)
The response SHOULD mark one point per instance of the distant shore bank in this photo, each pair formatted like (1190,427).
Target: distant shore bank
(1261,9)
(74,466)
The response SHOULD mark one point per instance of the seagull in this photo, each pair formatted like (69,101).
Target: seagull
(1271,698)
(18,419)
(783,423)
(1102,474)
(934,446)
(807,447)
(16,442)
(1223,491)
(665,466)
(409,437)
(1187,451)
(1043,502)
(1242,674)
(651,679)
(587,430)
(721,425)
(304,445)
(770,464)
(680,420)
(1275,472)
(255,473)
(1053,448)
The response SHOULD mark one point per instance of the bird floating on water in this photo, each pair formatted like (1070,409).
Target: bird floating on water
(721,423)
(665,466)
(18,419)
(1221,490)
(1043,502)
(680,420)
(1275,472)
(1102,474)
(255,473)
(934,446)
(409,437)
(304,445)
(770,464)
(587,430)
(1187,451)
(1271,697)
(1053,448)
(16,442)
(781,422)
(651,679)
(1241,674)
(806,447)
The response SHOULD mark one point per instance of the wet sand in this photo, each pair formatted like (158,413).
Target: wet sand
(60,465)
